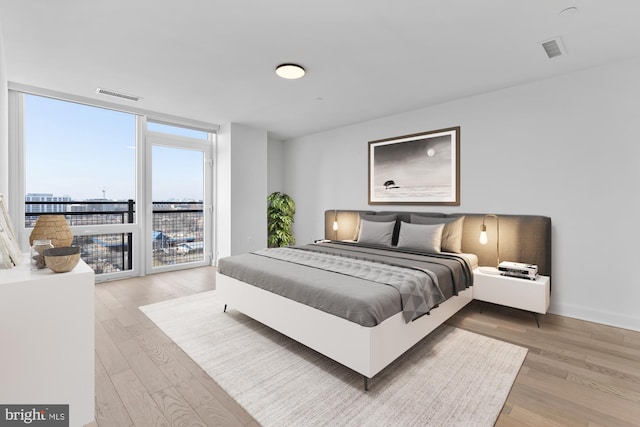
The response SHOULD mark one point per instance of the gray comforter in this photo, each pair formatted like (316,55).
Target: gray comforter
(418,288)
(353,291)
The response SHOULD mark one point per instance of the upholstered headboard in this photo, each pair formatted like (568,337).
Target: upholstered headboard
(523,238)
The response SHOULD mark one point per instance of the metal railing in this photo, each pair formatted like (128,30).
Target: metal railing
(178,231)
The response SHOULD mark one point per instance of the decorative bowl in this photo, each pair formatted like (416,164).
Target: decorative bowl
(62,259)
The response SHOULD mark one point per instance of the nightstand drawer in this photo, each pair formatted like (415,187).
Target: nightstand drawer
(530,295)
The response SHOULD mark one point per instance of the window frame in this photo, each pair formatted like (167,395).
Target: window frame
(17,184)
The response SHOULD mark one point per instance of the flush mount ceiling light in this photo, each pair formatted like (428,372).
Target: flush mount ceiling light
(290,71)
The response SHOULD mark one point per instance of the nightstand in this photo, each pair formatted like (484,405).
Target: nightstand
(529,295)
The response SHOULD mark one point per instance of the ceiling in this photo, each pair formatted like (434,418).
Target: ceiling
(214,61)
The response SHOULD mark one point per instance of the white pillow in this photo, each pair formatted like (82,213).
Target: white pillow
(376,233)
(427,238)
(373,218)
(452,233)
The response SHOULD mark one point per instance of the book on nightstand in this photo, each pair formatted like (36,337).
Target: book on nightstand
(518,269)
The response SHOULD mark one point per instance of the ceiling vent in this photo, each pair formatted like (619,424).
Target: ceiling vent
(554,47)
(118,94)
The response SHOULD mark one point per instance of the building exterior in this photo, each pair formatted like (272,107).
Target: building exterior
(59,206)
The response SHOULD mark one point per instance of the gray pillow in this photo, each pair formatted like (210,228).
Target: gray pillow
(421,237)
(452,233)
(374,218)
(376,233)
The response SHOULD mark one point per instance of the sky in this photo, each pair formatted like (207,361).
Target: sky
(420,162)
(87,152)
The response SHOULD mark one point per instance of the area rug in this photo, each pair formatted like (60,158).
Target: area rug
(451,378)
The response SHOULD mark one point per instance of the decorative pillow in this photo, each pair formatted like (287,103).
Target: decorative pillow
(376,233)
(373,218)
(452,233)
(421,237)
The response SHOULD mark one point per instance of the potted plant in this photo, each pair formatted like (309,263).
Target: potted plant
(280,211)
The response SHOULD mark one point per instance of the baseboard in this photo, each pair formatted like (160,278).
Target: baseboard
(597,316)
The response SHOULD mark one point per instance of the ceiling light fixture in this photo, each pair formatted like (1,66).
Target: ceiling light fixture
(290,71)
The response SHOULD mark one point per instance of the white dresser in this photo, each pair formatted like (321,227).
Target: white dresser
(47,339)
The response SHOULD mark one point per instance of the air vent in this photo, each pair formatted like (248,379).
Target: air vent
(118,94)
(554,47)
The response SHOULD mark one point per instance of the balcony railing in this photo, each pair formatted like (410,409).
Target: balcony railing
(178,231)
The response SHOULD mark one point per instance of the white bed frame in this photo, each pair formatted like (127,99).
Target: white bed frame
(366,350)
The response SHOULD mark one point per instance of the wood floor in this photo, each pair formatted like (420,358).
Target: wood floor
(576,373)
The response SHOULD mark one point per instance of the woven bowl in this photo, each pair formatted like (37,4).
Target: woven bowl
(62,259)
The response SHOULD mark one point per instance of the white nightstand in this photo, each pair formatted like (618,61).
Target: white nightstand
(530,295)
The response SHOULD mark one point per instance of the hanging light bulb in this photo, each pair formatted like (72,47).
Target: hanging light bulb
(483,235)
(484,240)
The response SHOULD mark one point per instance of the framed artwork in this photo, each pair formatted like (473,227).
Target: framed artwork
(418,169)
(10,253)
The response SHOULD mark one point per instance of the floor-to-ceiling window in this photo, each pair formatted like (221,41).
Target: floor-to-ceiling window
(136,192)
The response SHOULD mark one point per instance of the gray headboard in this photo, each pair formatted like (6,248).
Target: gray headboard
(523,238)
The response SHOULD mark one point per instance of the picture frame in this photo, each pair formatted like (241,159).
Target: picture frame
(9,247)
(416,169)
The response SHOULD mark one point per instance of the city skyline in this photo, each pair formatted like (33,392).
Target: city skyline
(72,199)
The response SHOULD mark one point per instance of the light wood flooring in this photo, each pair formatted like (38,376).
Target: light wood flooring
(576,373)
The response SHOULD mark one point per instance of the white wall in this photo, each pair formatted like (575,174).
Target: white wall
(4,124)
(241,165)
(275,168)
(566,147)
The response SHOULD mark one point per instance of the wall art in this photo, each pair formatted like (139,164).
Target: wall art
(422,168)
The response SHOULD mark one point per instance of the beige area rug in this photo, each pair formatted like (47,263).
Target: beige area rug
(451,378)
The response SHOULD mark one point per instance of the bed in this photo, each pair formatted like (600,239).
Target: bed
(325,295)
